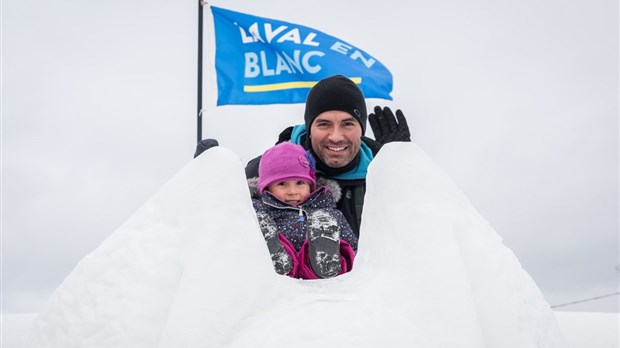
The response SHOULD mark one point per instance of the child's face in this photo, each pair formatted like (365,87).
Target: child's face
(292,192)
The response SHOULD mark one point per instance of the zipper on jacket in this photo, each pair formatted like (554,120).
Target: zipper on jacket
(302,213)
(301,217)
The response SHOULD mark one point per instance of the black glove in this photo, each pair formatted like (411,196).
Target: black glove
(385,127)
(204,145)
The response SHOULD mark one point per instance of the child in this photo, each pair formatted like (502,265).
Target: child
(306,235)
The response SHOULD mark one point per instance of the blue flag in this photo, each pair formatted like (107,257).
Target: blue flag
(266,61)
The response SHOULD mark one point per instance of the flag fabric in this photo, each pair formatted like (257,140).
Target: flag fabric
(266,61)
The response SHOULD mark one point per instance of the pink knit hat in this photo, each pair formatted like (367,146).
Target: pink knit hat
(286,161)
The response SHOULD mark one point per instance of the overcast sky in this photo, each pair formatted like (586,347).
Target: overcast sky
(516,101)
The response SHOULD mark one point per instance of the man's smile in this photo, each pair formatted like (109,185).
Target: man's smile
(336,148)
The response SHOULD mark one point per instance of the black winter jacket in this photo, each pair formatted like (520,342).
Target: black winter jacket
(352,202)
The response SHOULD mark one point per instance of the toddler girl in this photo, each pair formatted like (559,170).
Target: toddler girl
(306,235)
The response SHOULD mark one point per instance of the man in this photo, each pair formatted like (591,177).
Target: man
(335,124)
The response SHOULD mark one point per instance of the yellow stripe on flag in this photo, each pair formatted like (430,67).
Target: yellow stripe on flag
(288,85)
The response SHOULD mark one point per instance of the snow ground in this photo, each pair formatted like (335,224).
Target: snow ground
(582,329)
(590,329)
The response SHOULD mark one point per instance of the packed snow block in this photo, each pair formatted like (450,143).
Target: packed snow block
(426,222)
(334,312)
(409,252)
(227,269)
(122,293)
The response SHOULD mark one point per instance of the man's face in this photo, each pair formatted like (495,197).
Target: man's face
(336,137)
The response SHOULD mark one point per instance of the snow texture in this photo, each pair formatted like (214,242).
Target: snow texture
(323,236)
(282,262)
(190,269)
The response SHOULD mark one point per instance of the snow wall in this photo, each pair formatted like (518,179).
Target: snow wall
(190,269)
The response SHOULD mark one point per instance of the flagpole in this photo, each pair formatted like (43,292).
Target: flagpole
(199,99)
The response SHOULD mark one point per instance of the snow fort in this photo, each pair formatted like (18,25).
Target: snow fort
(190,269)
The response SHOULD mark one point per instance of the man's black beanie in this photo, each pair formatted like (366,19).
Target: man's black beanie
(336,93)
